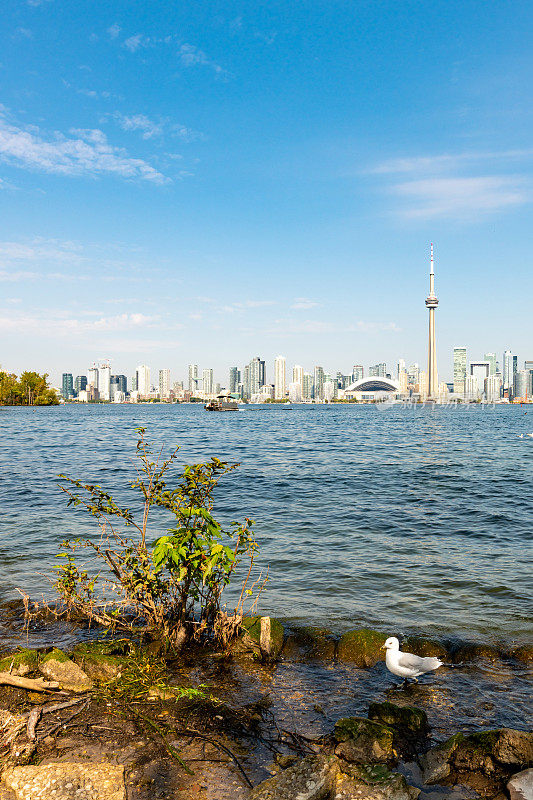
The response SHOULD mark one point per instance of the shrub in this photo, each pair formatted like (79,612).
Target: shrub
(171,589)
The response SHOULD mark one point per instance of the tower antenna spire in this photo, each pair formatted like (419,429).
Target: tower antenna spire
(431,305)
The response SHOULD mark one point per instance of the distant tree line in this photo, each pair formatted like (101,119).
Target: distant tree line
(31,389)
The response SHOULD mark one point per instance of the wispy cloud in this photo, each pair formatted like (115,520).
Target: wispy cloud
(150,128)
(36,3)
(460,197)
(23,33)
(463,186)
(58,325)
(303,303)
(312,326)
(133,43)
(82,152)
(114,30)
(191,56)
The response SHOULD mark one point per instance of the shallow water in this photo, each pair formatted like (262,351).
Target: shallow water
(410,520)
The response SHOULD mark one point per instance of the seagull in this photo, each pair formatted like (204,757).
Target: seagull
(407,665)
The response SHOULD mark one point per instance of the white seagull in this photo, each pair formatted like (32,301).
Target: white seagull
(407,665)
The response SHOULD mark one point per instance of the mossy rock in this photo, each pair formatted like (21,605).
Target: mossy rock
(309,643)
(20,663)
(523,653)
(262,635)
(57,666)
(104,647)
(475,652)
(361,647)
(423,647)
(436,762)
(404,718)
(363,741)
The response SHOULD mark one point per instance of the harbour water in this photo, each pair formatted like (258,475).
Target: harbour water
(411,520)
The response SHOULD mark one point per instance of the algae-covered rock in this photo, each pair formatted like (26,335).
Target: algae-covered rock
(362,740)
(361,647)
(423,647)
(58,667)
(391,786)
(311,778)
(262,635)
(309,643)
(475,652)
(95,659)
(436,762)
(20,663)
(404,718)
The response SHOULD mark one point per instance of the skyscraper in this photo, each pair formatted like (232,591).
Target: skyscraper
(307,386)
(164,384)
(520,384)
(143,380)
(508,375)
(104,381)
(459,370)
(80,384)
(256,375)
(480,370)
(378,370)
(491,358)
(431,305)
(358,373)
(319,383)
(92,376)
(279,377)
(67,385)
(298,375)
(234,380)
(193,378)
(208,382)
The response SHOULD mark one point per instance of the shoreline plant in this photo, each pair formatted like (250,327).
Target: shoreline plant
(170,589)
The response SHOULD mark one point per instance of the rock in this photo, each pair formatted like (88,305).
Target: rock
(391,787)
(523,653)
(20,663)
(436,762)
(58,667)
(362,740)
(404,718)
(158,693)
(286,761)
(310,643)
(514,747)
(473,652)
(520,787)
(66,781)
(423,647)
(262,635)
(100,666)
(361,647)
(311,778)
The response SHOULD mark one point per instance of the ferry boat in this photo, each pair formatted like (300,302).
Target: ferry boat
(224,402)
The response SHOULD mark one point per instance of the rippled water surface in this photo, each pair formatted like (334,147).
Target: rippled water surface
(410,520)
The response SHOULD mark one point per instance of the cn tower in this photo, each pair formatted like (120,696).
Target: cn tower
(431,304)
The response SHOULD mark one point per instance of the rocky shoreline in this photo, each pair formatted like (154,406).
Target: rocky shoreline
(121,720)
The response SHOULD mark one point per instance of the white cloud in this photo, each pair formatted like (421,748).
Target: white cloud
(50,325)
(460,197)
(114,30)
(446,161)
(132,43)
(311,326)
(139,122)
(191,56)
(303,303)
(84,152)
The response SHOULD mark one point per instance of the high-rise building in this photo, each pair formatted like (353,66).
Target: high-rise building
(164,384)
(520,384)
(378,370)
(459,370)
(319,383)
(307,386)
(298,375)
(471,388)
(256,376)
(528,366)
(118,386)
(208,382)
(492,388)
(358,373)
(143,380)
(491,358)
(508,372)
(400,367)
(413,374)
(295,392)
(104,381)
(92,376)
(234,380)
(480,370)
(80,384)
(67,385)
(279,377)
(193,378)
(329,390)
(134,387)
(423,384)
(431,305)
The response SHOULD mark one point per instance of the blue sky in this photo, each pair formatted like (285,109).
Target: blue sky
(212,181)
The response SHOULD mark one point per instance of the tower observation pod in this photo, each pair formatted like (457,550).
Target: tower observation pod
(431,305)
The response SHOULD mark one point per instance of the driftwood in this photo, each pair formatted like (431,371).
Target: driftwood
(35,685)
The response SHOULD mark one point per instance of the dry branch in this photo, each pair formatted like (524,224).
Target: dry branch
(35,685)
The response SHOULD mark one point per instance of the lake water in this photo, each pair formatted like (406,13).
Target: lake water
(406,519)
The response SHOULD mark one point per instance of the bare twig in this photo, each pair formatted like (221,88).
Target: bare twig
(36,685)
(168,747)
(197,735)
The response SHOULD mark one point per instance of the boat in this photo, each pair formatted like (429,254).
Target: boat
(224,402)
